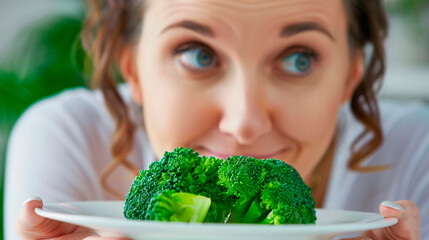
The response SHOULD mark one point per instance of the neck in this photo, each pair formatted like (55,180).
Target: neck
(319,177)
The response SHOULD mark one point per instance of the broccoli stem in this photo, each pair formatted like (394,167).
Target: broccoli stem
(255,213)
(178,207)
(268,219)
(190,207)
(248,211)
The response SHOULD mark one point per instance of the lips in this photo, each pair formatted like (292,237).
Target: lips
(255,155)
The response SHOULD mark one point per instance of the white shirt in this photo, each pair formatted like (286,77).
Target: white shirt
(60,146)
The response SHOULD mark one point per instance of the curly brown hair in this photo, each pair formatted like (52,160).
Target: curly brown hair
(111,25)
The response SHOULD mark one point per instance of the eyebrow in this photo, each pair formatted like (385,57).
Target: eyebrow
(287,31)
(303,27)
(191,25)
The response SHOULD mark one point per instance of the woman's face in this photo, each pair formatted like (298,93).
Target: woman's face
(250,77)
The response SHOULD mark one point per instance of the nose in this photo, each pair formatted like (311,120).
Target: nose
(245,114)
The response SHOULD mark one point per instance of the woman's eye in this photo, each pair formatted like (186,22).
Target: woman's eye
(298,63)
(196,58)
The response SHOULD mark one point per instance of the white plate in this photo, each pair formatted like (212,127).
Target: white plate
(106,218)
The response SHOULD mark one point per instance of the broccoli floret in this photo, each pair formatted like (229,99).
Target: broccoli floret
(268,191)
(186,187)
(170,206)
(180,171)
(243,177)
(287,194)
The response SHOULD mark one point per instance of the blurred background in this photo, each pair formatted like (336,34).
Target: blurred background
(40,55)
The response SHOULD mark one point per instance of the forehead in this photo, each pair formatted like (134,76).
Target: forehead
(252,14)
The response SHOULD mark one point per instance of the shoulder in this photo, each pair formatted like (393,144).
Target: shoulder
(400,116)
(405,145)
(71,112)
(78,104)
(406,118)
(405,128)
(64,136)
(64,123)
(405,150)
(74,121)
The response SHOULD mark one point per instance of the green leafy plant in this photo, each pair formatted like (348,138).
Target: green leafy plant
(46,58)
(407,7)
(414,12)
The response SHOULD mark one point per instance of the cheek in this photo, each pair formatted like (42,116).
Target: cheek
(173,117)
(176,110)
(311,118)
(311,122)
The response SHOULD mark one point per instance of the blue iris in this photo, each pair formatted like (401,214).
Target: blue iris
(297,63)
(198,58)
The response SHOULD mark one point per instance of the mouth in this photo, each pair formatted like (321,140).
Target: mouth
(209,152)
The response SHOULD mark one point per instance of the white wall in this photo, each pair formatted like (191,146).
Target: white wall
(15,14)
(407,76)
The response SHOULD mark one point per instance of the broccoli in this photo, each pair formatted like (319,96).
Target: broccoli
(179,171)
(267,191)
(186,187)
(170,206)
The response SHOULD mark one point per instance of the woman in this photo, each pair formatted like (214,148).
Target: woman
(270,79)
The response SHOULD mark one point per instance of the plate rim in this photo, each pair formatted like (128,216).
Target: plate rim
(102,221)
